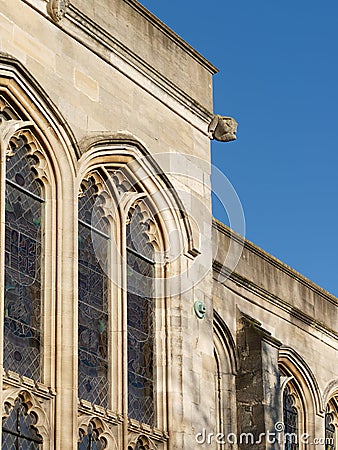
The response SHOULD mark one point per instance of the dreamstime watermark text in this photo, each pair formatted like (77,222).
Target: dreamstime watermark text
(271,437)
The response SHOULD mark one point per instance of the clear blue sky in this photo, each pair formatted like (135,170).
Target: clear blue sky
(278,77)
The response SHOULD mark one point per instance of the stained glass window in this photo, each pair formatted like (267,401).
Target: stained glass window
(330,433)
(91,440)
(140,320)
(18,432)
(93,244)
(139,445)
(290,414)
(218,393)
(23,240)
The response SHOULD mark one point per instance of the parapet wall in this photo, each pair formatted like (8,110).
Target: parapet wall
(266,276)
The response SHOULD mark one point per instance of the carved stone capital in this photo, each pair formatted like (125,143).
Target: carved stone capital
(223,128)
(57,9)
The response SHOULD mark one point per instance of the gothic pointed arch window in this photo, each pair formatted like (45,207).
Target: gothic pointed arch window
(140,317)
(225,368)
(18,428)
(331,425)
(290,418)
(24,212)
(93,291)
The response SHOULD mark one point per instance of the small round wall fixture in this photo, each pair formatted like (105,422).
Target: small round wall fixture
(200,309)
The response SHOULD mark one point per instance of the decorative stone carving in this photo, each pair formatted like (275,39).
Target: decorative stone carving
(141,442)
(148,221)
(14,130)
(57,9)
(7,130)
(34,406)
(103,431)
(223,128)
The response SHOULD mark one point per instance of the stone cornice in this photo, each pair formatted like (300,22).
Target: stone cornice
(172,35)
(89,34)
(102,43)
(273,299)
(219,226)
(107,47)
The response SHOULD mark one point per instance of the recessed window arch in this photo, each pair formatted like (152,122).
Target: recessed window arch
(130,174)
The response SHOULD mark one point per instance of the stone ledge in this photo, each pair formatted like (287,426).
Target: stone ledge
(14,379)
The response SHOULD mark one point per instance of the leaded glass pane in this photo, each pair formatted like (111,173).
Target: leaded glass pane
(89,207)
(330,433)
(19,167)
(23,240)
(93,302)
(91,440)
(18,432)
(290,413)
(137,235)
(139,445)
(140,271)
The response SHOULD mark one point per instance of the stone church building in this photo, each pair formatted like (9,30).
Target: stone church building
(130,318)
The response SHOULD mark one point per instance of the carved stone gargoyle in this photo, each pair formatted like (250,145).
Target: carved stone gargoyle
(222,128)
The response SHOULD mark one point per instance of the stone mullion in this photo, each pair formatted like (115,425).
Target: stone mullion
(2,261)
(66,312)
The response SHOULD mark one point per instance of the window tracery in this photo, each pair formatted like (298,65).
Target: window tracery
(140,320)
(91,439)
(25,422)
(141,443)
(331,425)
(93,251)
(290,419)
(18,429)
(95,434)
(24,205)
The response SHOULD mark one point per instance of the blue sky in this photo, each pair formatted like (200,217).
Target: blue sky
(278,77)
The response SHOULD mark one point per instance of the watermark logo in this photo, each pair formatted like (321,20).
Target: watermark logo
(278,435)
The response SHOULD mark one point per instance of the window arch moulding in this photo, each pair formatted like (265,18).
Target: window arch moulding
(125,152)
(330,391)
(295,366)
(28,98)
(299,379)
